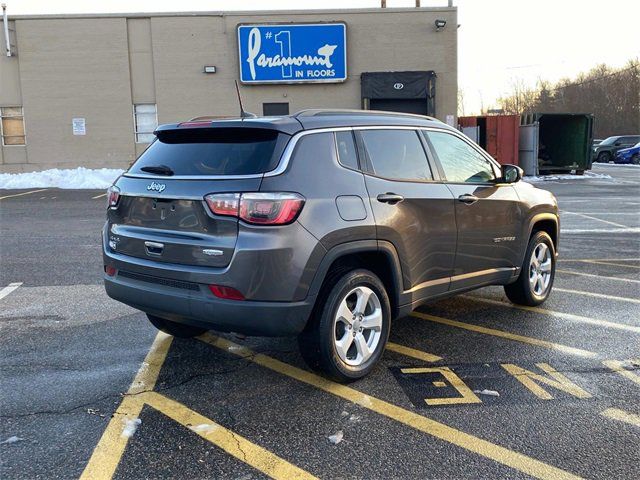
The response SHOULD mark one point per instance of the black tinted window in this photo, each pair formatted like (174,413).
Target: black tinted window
(346,150)
(460,161)
(396,154)
(211,151)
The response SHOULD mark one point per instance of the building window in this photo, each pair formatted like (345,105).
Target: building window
(274,109)
(145,118)
(12,126)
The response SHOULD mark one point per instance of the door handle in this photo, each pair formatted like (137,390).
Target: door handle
(468,198)
(390,198)
(154,248)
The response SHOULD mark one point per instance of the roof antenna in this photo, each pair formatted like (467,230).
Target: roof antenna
(243,114)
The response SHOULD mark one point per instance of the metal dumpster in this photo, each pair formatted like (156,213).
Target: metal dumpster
(497,134)
(555,142)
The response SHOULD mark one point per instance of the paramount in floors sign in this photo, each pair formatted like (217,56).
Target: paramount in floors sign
(292,53)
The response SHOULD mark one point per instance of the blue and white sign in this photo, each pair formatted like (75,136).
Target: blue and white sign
(293,53)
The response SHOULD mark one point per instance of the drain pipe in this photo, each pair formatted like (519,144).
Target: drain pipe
(5,24)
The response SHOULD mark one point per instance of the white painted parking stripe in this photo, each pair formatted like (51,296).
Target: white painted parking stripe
(596,218)
(8,289)
(98,196)
(23,193)
(571,272)
(553,313)
(597,295)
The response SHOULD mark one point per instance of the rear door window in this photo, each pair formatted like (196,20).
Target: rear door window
(213,151)
(396,154)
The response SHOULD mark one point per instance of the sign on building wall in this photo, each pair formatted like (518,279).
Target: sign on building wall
(79,126)
(284,53)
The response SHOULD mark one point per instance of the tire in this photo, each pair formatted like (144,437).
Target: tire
(636,159)
(328,329)
(541,273)
(604,157)
(580,172)
(176,329)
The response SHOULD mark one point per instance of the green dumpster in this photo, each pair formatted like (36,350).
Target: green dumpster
(564,141)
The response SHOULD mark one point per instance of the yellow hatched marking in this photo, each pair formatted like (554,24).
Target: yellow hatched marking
(552,313)
(510,458)
(107,454)
(622,416)
(618,367)
(412,352)
(602,277)
(557,380)
(509,336)
(467,395)
(23,193)
(232,443)
(597,295)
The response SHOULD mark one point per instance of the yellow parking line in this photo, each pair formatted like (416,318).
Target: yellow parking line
(553,313)
(621,416)
(635,259)
(232,443)
(510,458)
(412,352)
(571,272)
(618,367)
(99,196)
(600,262)
(106,456)
(597,295)
(510,336)
(23,193)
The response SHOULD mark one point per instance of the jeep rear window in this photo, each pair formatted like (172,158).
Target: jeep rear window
(213,151)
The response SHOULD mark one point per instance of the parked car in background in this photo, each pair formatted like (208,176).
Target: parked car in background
(607,149)
(596,141)
(629,155)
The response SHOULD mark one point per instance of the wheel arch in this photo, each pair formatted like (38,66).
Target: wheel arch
(379,257)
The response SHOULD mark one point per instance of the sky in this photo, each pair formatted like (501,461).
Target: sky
(500,42)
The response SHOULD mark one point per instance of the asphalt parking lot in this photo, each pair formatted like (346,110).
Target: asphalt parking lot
(471,387)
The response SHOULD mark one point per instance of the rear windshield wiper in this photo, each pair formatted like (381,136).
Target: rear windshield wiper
(159,169)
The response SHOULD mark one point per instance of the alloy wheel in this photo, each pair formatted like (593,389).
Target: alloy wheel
(357,326)
(540,269)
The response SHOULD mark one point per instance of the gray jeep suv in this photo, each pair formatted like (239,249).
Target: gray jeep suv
(323,224)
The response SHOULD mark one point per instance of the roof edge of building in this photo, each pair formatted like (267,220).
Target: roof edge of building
(230,13)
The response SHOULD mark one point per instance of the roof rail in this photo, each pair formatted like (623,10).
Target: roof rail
(313,112)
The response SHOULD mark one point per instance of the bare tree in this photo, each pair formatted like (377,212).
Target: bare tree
(611,95)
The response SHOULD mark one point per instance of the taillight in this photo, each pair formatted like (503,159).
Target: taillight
(109,270)
(227,293)
(113,196)
(224,203)
(264,208)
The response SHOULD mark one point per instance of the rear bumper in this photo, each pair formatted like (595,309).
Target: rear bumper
(201,308)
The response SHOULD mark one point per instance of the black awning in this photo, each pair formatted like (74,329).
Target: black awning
(392,85)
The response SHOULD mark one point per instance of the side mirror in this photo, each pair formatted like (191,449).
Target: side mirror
(511,173)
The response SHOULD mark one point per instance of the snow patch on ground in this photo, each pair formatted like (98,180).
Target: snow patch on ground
(616,165)
(568,176)
(13,439)
(203,428)
(75,178)
(491,393)
(130,427)
(337,437)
